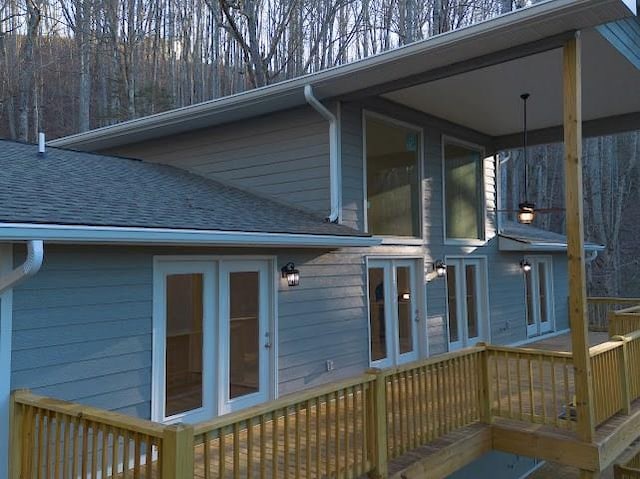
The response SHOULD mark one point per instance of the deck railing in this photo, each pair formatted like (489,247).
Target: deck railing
(616,375)
(624,321)
(323,432)
(598,310)
(344,429)
(532,385)
(426,400)
(629,469)
(53,438)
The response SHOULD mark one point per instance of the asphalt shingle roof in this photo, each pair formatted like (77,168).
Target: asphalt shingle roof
(76,188)
(531,234)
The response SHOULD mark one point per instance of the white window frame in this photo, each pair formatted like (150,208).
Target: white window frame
(421,337)
(536,329)
(450,140)
(392,239)
(212,262)
(484,321)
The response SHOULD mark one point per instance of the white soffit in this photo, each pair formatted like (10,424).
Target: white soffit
(488,100)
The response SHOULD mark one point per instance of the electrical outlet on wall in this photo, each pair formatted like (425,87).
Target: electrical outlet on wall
(329,364)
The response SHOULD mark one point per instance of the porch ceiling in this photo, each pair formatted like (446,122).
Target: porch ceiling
(488,100)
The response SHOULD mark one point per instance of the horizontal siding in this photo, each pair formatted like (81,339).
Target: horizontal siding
(505,280)
(82,328)
(82,325)
(283,155)
(624,35)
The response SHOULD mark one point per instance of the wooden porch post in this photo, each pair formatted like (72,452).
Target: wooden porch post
(572,94)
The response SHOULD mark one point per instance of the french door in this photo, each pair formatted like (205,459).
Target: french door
(539,295)
(394,312)
(211,343)
(467,301)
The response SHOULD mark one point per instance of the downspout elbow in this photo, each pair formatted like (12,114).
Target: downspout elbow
(31,265)
(334,141)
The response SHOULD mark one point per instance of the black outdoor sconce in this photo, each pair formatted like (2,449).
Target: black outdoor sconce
(525,265)
(292,275)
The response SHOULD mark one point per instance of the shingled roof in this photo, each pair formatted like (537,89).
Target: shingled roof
(64,187)
(529,238)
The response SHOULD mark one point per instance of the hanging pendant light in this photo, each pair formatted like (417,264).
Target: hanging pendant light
(526,209)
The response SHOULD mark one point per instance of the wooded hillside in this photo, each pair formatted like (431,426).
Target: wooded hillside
(71,65)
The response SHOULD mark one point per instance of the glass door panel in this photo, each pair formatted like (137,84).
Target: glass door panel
(393,312)
(184,342)
(472,296)
(183,372)
(377,314)
(244,348)
(244,329)
(452,303)
(405,309)
(466,301)
(539,296)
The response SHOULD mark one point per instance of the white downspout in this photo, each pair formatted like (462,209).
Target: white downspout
(31,265)
(334,142)
(11,278)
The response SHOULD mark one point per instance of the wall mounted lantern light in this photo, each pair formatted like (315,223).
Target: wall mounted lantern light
(525,265)
(438,270)
(292,275)
(526,213)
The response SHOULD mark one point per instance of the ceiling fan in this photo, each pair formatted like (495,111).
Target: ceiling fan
(526,209)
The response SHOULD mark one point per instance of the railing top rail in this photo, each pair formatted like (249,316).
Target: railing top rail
(630,310)
(92,414)
(433,360)
(604,347)
(609,300)
(281,403)
(530,351)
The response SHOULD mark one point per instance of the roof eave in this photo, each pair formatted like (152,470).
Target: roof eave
(506,243)
(56,233)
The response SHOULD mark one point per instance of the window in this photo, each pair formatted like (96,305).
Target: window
(467,300)
(463,197)
(393,178)
(539,295)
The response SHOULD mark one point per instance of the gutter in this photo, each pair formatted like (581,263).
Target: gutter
(334,153)
(35,256)
(166,236)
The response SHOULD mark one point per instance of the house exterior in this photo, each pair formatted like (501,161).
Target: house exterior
(162,293)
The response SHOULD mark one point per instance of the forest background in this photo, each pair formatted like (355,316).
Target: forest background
(67,66)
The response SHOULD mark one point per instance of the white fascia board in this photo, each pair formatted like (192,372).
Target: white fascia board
(162,236)
(509,244)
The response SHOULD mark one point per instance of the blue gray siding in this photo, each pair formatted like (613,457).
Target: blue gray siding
(625,36)
(505,279)
(83,324)
(282,155)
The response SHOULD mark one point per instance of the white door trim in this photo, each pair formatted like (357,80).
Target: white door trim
(210,263)
(482,292)
(158,392)
(389,265)
(6,318)
(226,404)
(538,327)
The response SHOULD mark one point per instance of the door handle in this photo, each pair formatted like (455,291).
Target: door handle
(267,340)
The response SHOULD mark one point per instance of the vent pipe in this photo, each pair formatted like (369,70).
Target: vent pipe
(41,145)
